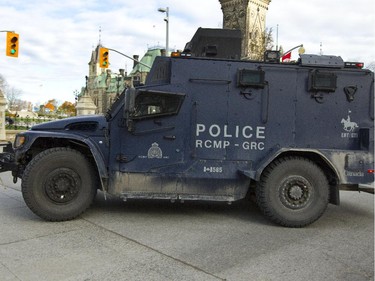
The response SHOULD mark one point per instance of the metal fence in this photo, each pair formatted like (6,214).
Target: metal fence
(25,123)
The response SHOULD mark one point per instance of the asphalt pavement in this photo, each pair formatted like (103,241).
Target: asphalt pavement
(160,240)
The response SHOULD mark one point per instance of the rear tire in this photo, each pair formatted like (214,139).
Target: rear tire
(59,184)
(293,192)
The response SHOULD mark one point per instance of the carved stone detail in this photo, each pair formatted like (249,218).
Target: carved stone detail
(250,17)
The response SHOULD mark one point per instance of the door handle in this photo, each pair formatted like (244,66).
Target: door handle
(169,137)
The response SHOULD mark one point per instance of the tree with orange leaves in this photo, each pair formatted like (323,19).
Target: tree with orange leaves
(67,108)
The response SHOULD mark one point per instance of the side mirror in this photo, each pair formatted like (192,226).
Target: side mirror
(129,108)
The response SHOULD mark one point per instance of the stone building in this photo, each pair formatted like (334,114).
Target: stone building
(140,70)
(103,86)
(249,16)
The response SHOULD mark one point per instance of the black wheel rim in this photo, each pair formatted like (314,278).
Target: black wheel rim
(295,192)
(62,185)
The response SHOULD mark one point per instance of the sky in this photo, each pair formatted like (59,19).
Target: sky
(56,37)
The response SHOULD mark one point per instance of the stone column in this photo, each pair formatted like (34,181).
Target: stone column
(85,105)
(3,103)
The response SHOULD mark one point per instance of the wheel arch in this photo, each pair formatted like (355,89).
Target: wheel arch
(85,146)
(319,159)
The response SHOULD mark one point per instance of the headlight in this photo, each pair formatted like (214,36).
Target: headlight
(19,141)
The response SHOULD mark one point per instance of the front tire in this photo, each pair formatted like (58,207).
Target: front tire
(59,184)
(293,192)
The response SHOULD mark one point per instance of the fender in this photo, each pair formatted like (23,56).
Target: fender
(98,149)
(340,162)
(256,173)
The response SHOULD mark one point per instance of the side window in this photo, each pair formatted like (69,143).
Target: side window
(322,81)
(150,104)
(253,78)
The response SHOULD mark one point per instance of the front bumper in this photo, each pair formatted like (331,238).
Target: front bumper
(7,162)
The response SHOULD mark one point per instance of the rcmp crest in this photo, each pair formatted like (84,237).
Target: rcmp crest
(155,151)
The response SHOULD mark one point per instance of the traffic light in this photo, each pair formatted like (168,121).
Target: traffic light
(103,57)
(12,44)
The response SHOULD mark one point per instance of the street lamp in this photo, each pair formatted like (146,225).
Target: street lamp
(166,19)
(301,50)
(76,94)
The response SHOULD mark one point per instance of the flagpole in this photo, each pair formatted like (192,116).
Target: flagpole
(277,37)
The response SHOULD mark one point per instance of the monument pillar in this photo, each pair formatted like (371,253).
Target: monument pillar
(85,105)
(3,103)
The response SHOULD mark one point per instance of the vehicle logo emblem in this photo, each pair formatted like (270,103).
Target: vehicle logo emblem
(155,151)
(349,125)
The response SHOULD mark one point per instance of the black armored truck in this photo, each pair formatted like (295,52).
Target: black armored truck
(207,125)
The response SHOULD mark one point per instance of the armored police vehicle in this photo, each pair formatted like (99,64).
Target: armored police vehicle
(208,126)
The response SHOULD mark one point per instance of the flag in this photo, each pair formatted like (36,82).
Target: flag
(286,57)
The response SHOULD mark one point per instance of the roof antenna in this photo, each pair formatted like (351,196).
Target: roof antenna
(321,48)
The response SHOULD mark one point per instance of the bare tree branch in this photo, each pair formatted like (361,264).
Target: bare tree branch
(13,95)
